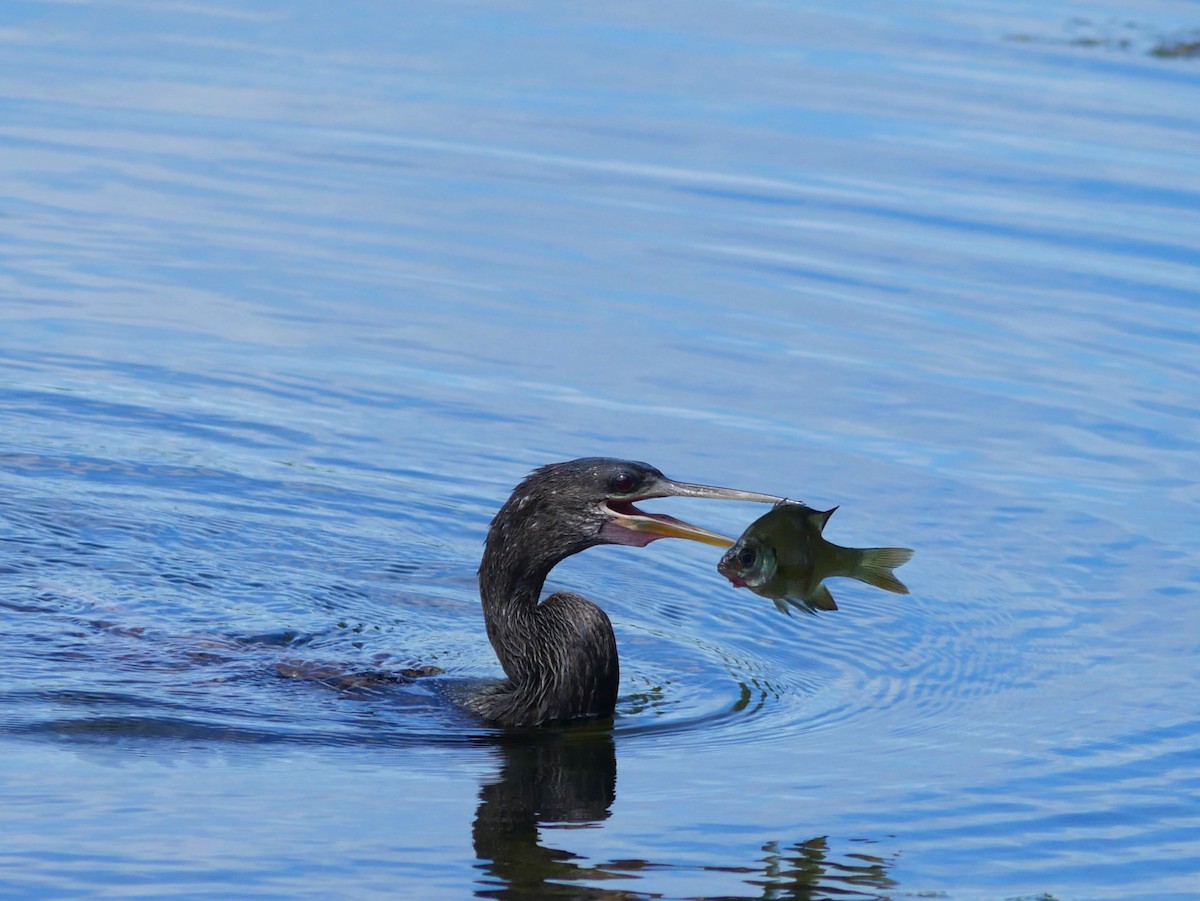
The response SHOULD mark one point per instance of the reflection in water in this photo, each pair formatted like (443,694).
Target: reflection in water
(569,777)
(805,871)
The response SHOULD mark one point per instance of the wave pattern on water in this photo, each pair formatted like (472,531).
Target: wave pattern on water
(292,298)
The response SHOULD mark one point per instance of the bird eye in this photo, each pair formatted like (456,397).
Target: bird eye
(622,483)
(747,556)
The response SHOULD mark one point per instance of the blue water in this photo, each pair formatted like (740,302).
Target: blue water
(291,296)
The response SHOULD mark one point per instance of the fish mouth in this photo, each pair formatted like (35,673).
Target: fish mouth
(735,579)
(735,576)
(629,525)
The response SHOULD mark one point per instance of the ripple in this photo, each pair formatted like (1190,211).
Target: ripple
(265,643)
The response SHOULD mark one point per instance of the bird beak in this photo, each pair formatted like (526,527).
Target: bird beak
(650,526)
(686,489)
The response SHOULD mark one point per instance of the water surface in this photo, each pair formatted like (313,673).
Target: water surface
(292,296)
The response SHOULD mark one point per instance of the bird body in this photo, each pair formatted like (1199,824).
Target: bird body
(574,672)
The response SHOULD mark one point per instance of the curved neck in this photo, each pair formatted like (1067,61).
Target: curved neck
(511,575)
(560,654)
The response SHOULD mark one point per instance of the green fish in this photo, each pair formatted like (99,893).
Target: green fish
(784,556)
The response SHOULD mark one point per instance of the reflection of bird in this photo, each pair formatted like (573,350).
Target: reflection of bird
(552,778)
(560,656)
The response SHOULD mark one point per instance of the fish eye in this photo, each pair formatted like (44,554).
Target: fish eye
(622,483)
(747,556)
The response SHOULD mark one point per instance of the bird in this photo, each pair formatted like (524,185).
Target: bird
(559,654)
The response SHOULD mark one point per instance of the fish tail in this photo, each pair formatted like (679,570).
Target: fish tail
(875,565)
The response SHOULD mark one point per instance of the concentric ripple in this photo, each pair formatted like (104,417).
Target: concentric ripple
(174,650)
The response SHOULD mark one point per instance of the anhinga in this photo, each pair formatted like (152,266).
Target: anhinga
(560,655)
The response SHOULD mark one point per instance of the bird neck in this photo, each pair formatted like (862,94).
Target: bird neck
(510,583)
(560,654)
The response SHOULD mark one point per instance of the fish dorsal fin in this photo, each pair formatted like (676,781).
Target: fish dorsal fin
(819,517)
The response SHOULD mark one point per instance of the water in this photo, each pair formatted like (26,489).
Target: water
(292,295)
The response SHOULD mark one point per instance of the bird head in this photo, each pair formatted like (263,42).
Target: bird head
(594,500)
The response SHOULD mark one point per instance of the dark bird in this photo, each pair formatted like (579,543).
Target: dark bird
(560,655)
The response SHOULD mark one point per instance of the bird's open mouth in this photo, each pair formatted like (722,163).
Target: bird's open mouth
(630,526)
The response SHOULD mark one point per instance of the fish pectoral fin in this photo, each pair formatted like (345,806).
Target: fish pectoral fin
(821,599)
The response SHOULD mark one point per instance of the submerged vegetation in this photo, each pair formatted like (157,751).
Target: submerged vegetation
(1120,35)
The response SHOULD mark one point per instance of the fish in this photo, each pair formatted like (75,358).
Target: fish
(784,556)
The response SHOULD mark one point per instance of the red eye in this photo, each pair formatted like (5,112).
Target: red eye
(622,483)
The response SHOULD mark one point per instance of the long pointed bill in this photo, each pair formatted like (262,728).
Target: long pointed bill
(629,525)
(687,489)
